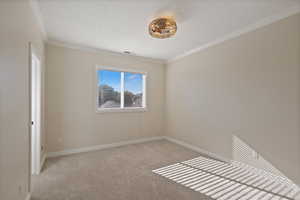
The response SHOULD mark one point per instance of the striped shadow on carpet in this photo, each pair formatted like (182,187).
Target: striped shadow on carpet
(229,181)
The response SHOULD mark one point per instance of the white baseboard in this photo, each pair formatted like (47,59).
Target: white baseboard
(28,197)
(102,146)
(197,149)
(118,144)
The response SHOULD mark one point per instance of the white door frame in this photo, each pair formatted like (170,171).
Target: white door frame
(35,111)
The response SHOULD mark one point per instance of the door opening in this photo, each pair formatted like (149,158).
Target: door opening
(35,96)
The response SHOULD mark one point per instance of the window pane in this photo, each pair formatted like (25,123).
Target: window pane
(109,87)
(133,91)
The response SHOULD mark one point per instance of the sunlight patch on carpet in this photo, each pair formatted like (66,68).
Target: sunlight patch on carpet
(229,181)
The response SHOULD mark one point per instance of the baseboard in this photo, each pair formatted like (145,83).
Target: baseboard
(119,144)
(100,147)
(28,197)
(197,149)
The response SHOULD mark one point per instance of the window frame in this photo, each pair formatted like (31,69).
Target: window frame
(122,88)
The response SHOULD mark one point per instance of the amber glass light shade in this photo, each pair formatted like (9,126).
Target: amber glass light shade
(162,28)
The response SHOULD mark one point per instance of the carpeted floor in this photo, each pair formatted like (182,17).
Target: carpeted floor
(123,173)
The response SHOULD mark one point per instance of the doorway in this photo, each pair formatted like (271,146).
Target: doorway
(35,111)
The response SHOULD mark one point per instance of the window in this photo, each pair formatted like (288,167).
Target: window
(120,90)
(133,89)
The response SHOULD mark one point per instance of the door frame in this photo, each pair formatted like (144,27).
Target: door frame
(35,138)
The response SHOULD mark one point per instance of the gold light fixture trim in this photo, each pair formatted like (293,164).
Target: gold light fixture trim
(162,28)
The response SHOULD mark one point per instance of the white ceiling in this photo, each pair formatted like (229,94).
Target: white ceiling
(119,25)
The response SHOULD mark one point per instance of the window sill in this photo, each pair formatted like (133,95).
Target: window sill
(120,110)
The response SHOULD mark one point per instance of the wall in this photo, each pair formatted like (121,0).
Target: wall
(18,28)
(247,87)
(72,121)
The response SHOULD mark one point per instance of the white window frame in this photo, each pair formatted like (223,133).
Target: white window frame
(122,108)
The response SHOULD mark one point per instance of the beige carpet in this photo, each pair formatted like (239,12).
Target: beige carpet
(123,173)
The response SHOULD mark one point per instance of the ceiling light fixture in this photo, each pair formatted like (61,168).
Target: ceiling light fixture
(162,28)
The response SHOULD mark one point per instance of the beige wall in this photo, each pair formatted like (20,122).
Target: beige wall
(18,28)
(248,87)
(71,118)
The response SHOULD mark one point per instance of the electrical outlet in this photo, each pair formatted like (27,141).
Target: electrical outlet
(255,155)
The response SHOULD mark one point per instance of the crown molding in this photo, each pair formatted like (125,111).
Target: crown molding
(99,50)
(235,34)
(38,15)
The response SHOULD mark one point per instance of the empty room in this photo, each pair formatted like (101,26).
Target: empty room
(149,99)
